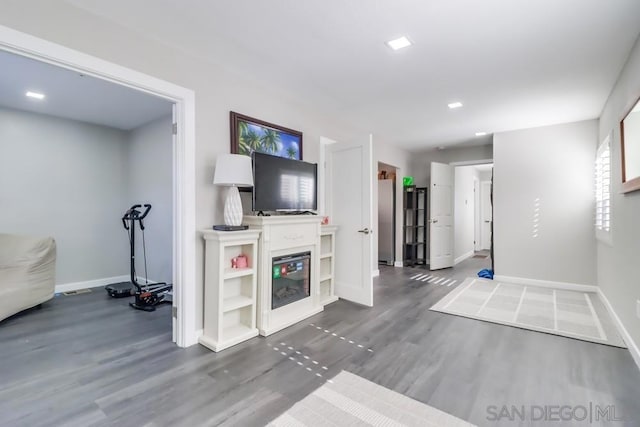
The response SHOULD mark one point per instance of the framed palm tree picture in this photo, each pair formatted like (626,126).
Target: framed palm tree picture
(249,135)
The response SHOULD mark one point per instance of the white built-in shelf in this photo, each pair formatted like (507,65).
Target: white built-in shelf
(328,299)
(230,273)
(229,293)
(239,330)
(327,264)
(234,303)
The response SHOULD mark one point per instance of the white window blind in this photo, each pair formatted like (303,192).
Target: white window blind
(603,187)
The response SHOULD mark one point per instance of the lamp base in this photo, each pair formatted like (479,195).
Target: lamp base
(230,227)
(233,207)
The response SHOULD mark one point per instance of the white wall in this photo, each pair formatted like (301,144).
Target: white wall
(618,266)
(217,92)
(150,180)
(464,218)
(65,179)
(550,168)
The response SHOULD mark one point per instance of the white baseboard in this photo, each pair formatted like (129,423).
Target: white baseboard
(463,257)
(547,283)
(398,264)
(633,348)
(375,273)
(75,286)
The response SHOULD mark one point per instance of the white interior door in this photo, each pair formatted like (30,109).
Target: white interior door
(350,176)
(486,214)
(441,220)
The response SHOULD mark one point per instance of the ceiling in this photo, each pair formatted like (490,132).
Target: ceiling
(71,95)
(512,63)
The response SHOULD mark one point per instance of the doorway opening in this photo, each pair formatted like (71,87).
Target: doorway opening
(473,212)
(387,176)
(185,325)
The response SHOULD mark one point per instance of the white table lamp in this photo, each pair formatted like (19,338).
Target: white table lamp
(233,170)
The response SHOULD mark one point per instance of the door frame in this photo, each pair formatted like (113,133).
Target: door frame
(184,200)
(476,214)
(482,183)
(477,199)
(397,226)
(324,202)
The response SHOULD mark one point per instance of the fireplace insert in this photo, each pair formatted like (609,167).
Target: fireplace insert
(290,279)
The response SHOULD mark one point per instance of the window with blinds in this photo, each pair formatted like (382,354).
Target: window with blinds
(603,188)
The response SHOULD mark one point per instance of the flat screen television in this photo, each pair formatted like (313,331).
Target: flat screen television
(281,184)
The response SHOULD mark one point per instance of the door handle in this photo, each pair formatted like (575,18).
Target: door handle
(487,220)
(365,231)
(433,221)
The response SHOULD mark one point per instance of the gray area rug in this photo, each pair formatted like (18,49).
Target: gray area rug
(349,400)
(574,314)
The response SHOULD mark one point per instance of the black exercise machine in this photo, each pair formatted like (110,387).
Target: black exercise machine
(147,295)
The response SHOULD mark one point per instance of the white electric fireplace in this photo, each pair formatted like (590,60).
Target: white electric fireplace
(288,269)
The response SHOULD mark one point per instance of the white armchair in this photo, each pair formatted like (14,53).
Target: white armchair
(27,272)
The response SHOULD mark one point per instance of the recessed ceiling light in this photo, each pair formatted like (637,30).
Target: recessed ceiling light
(455,105)
(481,133)
(35,95)
(399,43)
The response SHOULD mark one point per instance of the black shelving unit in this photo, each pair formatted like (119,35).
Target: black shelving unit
(415,225)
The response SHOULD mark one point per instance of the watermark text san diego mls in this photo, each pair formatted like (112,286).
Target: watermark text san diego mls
(588,413)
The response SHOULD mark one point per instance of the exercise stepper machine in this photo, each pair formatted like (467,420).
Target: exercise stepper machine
(147,295)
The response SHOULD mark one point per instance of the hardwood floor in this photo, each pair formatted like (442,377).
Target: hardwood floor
(88,360)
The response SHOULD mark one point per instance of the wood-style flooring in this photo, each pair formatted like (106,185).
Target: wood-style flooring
(88,360)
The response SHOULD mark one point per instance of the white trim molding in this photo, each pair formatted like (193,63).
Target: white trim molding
(87,284)
(375,273)
(398,264)
(547,283)
(626,336)
(471,162)
(463,257)
(324,206)
(184,233)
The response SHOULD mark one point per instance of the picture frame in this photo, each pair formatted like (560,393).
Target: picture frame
(630,148)
(249,134)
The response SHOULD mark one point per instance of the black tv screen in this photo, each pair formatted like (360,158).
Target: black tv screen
(281,184)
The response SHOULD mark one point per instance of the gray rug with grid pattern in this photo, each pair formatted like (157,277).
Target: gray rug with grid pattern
(574,314)
(349,400)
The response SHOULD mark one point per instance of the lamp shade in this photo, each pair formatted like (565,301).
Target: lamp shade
(233,169)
